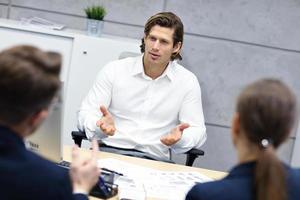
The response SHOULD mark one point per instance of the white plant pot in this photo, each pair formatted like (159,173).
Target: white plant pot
(94,27)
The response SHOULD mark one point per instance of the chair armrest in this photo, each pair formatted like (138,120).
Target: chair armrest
(78,136)
(191,155)
(197,152)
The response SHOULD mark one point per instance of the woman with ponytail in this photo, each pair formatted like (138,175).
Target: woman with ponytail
(265,116)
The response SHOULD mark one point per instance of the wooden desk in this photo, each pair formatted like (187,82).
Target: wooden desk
(146,163)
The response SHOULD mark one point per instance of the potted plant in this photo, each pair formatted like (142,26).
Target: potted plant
(95,15)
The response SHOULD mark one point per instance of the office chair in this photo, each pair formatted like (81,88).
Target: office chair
(191,155)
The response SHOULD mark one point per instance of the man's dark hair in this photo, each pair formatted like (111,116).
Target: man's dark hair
(168,20)
(29,80)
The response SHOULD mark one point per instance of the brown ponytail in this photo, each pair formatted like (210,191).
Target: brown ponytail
(267,110)
(269,176)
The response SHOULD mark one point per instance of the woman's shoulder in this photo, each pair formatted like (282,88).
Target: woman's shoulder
(224,189)
(294,175)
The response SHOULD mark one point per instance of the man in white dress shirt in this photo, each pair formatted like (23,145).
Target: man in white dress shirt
(148,103)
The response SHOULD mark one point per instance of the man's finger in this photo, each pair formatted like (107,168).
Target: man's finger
(104,110)
(165,141)
(183,126)
(103,126)
(75,154)
(99,123)
(109,133)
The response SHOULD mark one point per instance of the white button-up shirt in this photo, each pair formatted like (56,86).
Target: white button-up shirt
(144,109)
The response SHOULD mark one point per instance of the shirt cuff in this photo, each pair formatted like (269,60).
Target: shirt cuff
(92,131)
(80,191)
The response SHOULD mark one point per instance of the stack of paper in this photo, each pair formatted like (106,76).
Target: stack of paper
(140,182)
(37,21)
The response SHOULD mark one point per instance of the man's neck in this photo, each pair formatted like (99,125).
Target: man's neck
(20,129)
(154,71)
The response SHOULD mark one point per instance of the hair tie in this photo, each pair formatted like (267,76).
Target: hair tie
(265,143)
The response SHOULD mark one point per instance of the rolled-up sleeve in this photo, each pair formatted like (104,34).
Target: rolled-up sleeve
(191,112)
(100,94)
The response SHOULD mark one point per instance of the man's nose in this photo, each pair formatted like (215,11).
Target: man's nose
(156,45)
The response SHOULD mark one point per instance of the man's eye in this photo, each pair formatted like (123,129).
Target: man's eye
(152,38)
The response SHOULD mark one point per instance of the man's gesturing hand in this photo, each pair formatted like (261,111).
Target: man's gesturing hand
(84,171)
(175,135)
(106,123)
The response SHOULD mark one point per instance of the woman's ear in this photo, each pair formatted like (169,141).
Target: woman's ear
(235,128)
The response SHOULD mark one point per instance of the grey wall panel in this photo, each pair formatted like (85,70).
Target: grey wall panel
(286,150)
(75,7)
(3,11)
(224,68)
(4,1)
(69,21)
(219,152)
(132,11)
(268,22)
(126,11)
(123,30)
(296,151)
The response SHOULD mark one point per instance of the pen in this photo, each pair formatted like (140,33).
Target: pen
(111,171)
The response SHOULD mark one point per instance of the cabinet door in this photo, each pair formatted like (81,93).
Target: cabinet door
(90,54)
(11,37)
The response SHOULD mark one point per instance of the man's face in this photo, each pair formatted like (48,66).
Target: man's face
(159,46)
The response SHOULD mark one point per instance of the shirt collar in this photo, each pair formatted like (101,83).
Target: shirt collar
(170,70)
(138,68)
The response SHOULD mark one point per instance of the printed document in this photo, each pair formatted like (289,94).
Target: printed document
(141,182)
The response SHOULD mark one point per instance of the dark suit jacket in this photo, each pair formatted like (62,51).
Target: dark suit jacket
(26,176)
(239,185)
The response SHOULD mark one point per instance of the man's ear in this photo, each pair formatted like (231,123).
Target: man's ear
(177,47)
(38,118)
(235,127)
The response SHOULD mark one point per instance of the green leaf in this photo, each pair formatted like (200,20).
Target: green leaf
(95,12)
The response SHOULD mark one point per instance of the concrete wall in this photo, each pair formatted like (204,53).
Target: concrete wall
(228,44)
(3,8)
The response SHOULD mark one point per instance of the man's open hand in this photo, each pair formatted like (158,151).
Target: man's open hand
(175,135)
